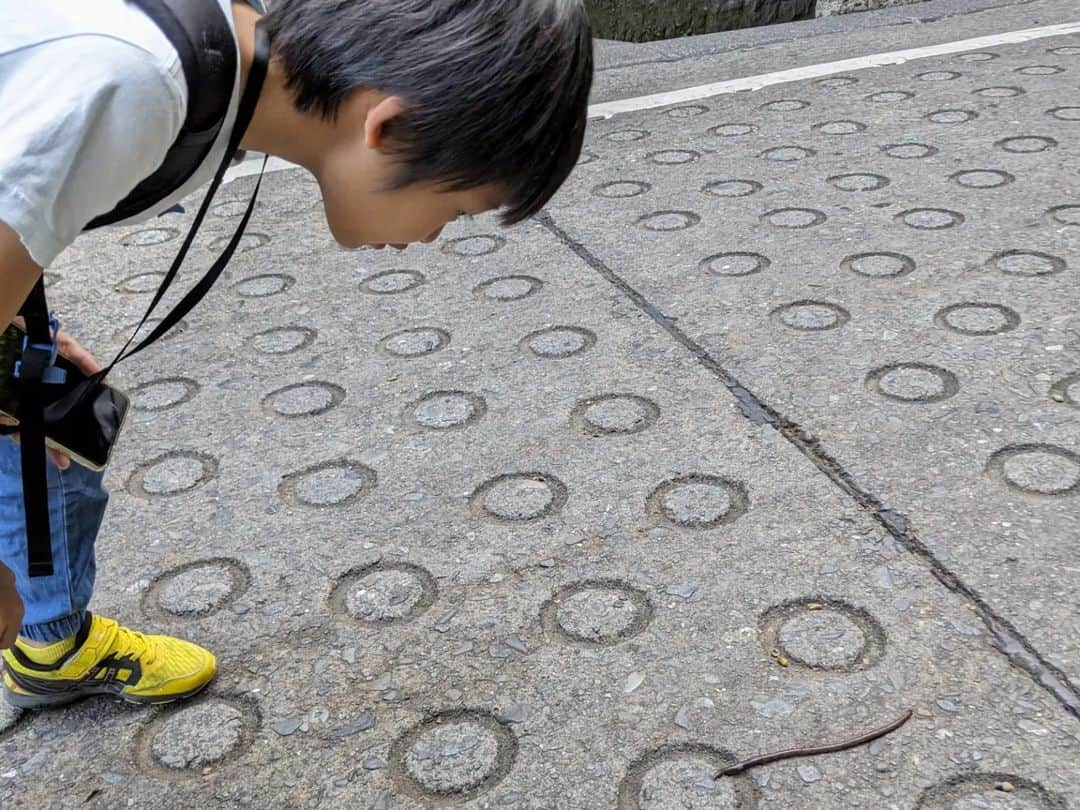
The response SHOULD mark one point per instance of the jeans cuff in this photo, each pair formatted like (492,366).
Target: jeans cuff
(56,630)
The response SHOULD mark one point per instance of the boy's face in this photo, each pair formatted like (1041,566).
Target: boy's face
(361,215)
(355,173)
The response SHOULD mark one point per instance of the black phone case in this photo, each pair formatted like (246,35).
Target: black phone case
(86,428)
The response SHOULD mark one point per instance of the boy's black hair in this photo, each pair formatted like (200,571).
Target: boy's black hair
(497,90)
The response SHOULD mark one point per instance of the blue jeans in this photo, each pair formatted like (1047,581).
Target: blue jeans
(56,605)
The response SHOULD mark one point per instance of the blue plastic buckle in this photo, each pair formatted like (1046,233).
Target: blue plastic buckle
(51,374)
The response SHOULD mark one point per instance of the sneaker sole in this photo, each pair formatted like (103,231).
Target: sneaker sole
(25,700)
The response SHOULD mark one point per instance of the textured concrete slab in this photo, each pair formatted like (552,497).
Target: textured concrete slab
(547,564)
(483,525)
(633,70)
(891,266)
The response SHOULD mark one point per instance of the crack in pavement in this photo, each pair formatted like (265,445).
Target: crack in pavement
(1007,639)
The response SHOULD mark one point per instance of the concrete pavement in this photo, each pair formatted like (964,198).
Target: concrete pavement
(765,432)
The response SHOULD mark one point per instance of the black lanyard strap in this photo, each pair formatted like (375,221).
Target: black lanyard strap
(248,102)
(38,358)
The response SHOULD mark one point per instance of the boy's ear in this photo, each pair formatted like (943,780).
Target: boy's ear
(385,110)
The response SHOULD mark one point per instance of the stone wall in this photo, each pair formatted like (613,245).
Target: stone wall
(826,8)
(646,20)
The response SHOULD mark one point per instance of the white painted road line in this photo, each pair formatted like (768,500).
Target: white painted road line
(611,108)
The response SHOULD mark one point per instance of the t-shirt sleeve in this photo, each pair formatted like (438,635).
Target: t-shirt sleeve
(82,121)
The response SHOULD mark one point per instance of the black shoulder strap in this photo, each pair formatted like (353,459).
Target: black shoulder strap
(203,38)
(248,102)
(36,362)
(37,355)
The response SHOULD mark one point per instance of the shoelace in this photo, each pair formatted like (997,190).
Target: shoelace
(134,645)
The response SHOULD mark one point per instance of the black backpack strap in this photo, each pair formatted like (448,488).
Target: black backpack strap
(248,102)
(201,34)
(36,368)
(37,365)
(204,40)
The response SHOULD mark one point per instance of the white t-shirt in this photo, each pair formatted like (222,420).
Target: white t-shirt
(92,95)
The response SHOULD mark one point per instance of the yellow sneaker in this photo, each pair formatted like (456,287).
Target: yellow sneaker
(108,659)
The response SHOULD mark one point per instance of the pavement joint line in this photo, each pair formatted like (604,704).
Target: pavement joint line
(751,83)
(1006,638)
(250,165)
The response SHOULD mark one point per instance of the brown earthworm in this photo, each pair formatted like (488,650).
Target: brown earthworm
(854,742)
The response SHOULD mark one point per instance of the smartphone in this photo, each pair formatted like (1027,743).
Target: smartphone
(88,432)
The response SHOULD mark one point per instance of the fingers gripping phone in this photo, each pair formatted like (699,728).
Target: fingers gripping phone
(82,419)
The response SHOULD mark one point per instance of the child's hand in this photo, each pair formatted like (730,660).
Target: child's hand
(11,608)
(85,362)
(70,348)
